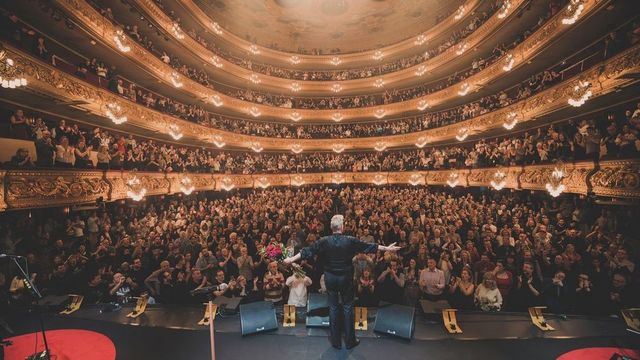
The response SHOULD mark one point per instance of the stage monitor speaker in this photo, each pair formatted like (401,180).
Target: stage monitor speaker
(318,310)
(396,320)
(258,317)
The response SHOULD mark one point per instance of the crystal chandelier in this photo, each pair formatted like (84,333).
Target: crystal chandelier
(115,113)
(335,61)
(416,179)
(464,89)
(255,146)
(121,41)
(336,88)
(461,48)
(380,146)
(581,93)
(420,39)
(378,83)
(253,48)
(337,179)
(462,134)
(216,100)
(297,180)
(504,9)
(422,142)
(377,55)
(296,148)
(379,114)
(511,120)
(499,180)
(337,117)
(254,111)
(177,31)
(338,148)
(379,179)
(573,11)
(216,28)
(509,61)
(555,187)
(295,59)
(421,70)
(459,13)
(174,131)
(215,60)
(254,78)
(453,179)
(262,182)
(186,186)
(295,116)
(135,190)
(9,71)
(423,105)
(295,86)
(175,80)
(226,184)
(218,141)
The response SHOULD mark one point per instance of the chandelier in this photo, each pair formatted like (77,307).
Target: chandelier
(295,86)
(9,71)
(262,182)
(174,131)
(226,183)
(337,179)
(464,89)
(416,179)
(216,28)
(255,146)
(555,187)
(462,134)
(499,180)
(215,60)
(504,9)
(177,31)
(337,117)
(378,83)
(423,105)
(218,141)
(115,113)
(422,141)
(254,111)
(509,61)
(379,114)
(295,116)
(295,59)
(335,61)
(421,70)
(377,55)
(453,179)
(121,41)
(511,121)
(254,78)
(253,48)
(338,148)
(297,180)
(296,148)
(135,190)
(380,146)
(459,13)
(186,186)
(581,93)
(461,48)
(336,88)
(175,80)
(420,39)
(573,11)
(379,179)
(216,100)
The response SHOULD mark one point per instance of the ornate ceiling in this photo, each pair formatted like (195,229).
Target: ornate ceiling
(349,25)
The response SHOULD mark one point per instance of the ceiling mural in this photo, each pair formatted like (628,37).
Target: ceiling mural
(347,25)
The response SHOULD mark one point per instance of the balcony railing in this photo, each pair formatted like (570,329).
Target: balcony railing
(22,189)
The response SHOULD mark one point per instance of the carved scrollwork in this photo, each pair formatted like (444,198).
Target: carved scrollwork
(617,178)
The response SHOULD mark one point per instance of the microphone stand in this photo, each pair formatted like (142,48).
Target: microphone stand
(44,355)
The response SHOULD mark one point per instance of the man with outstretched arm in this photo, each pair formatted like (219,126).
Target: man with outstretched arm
(338,251)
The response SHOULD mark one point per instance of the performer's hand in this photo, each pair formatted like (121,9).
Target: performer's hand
(288,261)
(393,247)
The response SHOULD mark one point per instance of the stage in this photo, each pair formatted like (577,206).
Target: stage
(172,333)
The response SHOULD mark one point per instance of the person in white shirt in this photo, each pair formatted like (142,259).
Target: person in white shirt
(297,284)
(488,297)
(432,281)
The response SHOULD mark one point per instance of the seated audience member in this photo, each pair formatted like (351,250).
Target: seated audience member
(21,159)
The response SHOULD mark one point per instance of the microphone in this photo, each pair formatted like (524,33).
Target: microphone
(10,256)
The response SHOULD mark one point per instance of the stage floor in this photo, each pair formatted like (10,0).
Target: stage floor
(172,333)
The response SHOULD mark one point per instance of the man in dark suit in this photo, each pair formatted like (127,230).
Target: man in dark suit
(337,252)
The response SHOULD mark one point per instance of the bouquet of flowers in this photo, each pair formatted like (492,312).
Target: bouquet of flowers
(278,252)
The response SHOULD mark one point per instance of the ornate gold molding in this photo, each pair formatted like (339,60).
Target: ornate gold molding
(322,60)
(44,188)
(105,31)
(48,80)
